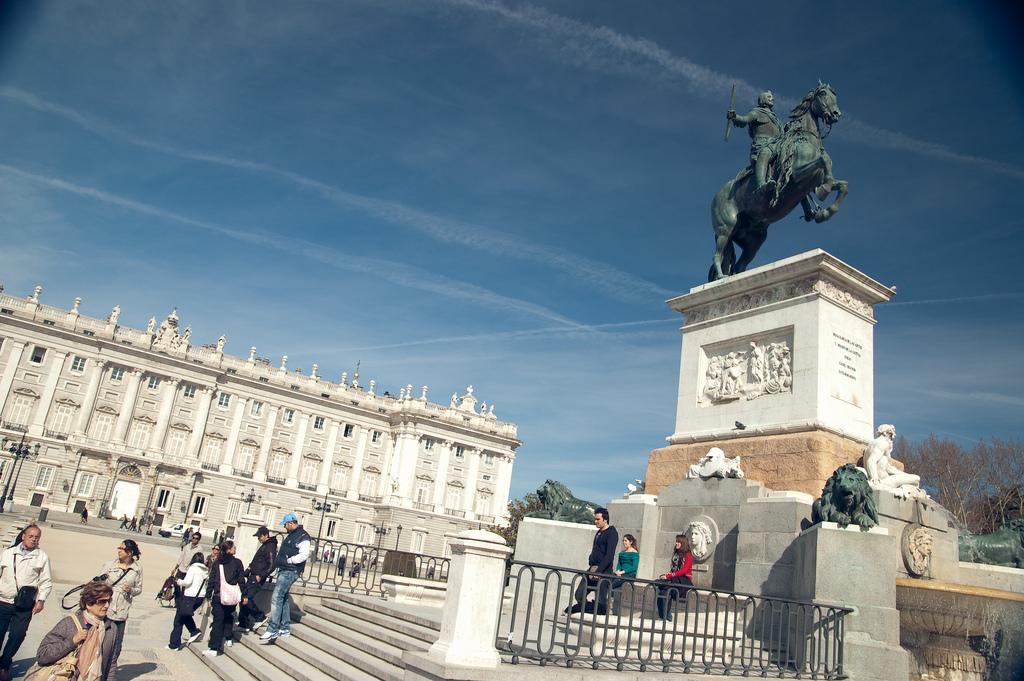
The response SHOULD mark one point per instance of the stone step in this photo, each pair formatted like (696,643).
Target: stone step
(269,662)
(395,622)
(427,617)
(223,666)
(340,625)
(366,655)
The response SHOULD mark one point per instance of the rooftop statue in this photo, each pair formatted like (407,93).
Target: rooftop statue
(788,166)
(560,504)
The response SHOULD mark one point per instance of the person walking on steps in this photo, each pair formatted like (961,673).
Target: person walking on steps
(193,591)
(124,575)
(260,568)
(291,560)
(230,570)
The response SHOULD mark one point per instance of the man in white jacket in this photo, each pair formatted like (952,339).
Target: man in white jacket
(23,565)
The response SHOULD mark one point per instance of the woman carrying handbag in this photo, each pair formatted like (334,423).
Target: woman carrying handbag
(226,593)
(80,647)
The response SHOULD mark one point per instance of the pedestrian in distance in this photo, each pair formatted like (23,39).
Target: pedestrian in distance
(193,591)
(124,522)
(185,557)
(260,568)
(227,570)
(599,567)
(124,575)
(291,560)
(89,633)
(134,526)
(85,516)
(186,536)
(24,586)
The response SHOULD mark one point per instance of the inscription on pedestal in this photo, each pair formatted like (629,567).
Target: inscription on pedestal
(849,360)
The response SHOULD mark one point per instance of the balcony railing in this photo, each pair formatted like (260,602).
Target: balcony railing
(306,486)
(455,513)
(210,466)
(276,481)
(55,434)
(489,519)
(370,498)
(422,507)
(12,425)
(243,474)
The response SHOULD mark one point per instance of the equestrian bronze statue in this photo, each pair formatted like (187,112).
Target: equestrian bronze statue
(788,166)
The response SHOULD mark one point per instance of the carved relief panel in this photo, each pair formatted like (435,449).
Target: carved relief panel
(747,368)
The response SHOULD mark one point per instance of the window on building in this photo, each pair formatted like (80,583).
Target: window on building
(369,483)
(234,508)
(44,476)
(38,354)
(256,408)
(154,382)
(362,533)
(270,516)
(288,416)
(245,458)
(177,441)
(318,422)
(453,500)
(489,460)
(332,528)
(86,484)
(102,425)
(164,498)
(339,478)
(349,431)
(21,407)
(78,364)
(62,417)
(482,504)
(423,490)
(189,391)
(418,539)
(460,452)
(278,466)
(223,400)
(376,437)
(198,505)
(428,444)
(139,437)
(116,373)
(310,468)
(212,451)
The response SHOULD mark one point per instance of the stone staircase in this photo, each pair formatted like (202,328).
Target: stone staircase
(340,638)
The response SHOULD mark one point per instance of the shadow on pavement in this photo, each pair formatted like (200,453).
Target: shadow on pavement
(134,671)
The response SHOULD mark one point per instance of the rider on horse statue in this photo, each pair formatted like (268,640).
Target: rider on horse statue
(764,127)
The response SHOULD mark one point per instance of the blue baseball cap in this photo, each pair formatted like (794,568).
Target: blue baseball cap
(290,518)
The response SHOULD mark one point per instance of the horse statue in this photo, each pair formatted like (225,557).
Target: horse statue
(740,214)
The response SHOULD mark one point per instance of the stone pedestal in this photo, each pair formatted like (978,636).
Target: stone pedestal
(469,621)
(556,543)
(636,515)
(766,548)
(851,568)
(245,541)
(786,350)
(905,516)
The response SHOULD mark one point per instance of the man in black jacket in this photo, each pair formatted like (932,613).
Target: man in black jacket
(260,568)
(606,541)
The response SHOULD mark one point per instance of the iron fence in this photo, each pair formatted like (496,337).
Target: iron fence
(341,566)
(556,616)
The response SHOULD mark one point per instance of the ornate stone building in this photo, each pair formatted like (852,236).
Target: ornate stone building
(143,423)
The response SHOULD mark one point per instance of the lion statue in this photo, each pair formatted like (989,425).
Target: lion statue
(560,504)
(1003,547)
(846,499)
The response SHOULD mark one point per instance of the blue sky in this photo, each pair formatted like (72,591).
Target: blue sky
(504,193)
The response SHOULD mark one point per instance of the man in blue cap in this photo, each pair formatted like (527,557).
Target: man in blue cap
(291,559)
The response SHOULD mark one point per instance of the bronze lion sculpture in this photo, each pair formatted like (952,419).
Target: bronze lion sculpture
(560,504)
(846,499)
(1003,547)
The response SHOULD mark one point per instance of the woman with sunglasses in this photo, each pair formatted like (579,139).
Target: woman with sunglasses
(124,575)
(90,632)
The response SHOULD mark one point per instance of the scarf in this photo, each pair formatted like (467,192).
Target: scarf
(90,656)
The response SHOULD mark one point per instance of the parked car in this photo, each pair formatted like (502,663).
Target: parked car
(176,530)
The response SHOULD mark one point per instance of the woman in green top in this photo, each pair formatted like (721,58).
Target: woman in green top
(629,560)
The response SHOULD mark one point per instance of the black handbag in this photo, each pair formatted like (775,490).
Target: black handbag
(26,596)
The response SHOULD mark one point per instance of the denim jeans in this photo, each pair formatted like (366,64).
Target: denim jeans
(280,615)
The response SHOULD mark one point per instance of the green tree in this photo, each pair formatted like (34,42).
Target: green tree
(517,510)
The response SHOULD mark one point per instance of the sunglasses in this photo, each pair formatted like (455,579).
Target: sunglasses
(103,601)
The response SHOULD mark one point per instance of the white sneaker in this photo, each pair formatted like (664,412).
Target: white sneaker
(283,634)
(267,635)
(210,652)
(229,643)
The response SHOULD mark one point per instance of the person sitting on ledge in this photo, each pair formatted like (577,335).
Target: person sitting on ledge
(678,580)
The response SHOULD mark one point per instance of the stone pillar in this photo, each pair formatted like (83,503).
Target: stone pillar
(168,389)
(854,569)
(199,427)
(765,547)
(328,462)
(260,472)
(501,491)
(89,401)
(300,444)
(472,481)
(245,543)
(469,621)
(236,426)
(357,466)
(7,380)
(56,366)
(127,405)
(441,481)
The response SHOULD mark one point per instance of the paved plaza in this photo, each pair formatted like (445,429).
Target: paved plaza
(76,555)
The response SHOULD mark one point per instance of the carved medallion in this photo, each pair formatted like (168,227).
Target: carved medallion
(702,540)
(916,547)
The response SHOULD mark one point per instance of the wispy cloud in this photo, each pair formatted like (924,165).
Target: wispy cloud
(592,46)
(594,274)
(401,274)
(958,299)
(978,396)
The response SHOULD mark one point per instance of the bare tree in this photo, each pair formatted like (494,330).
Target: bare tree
(517,510)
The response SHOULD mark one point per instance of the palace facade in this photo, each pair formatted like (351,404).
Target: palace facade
(141,423)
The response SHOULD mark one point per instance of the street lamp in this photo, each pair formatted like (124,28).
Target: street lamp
(324,507)
(399,537)
(249,498)
(21,451)
(381,531)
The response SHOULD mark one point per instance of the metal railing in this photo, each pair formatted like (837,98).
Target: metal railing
(371,498)
(341,566)
(12,425)
(576,618)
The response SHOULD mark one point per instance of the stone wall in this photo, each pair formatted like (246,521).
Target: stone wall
(765,551)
